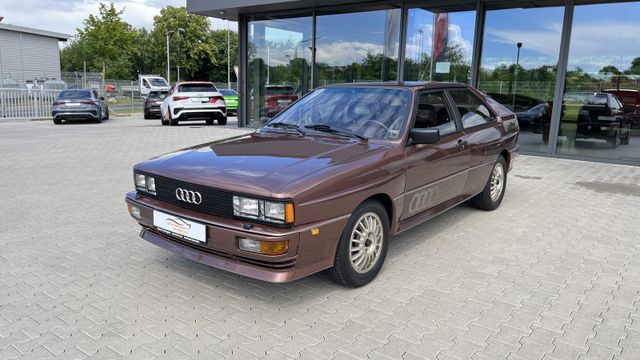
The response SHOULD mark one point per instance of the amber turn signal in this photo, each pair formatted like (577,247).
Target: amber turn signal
(274,247)
(288,213)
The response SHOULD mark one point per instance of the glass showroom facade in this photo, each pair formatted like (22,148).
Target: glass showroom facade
(569,69)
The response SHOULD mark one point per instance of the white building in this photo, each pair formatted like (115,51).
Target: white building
(28,55)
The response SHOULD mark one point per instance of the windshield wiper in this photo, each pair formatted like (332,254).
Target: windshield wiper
(285,126)
(334,130)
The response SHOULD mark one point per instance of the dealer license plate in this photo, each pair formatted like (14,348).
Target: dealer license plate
(179,227)
(200,99)
(284,101)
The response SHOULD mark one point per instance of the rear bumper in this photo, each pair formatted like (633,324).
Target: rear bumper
(307,254)
(201,112)
(75,115)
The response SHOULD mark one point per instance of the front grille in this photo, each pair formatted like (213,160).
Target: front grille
(214,201)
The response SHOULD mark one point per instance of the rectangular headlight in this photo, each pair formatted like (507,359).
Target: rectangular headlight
(243,206)
(141,182)
(270,211)
(145,183)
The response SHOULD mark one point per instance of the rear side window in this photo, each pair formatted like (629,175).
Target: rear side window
(75,94)
(197,88)
(472,111)
(433,114)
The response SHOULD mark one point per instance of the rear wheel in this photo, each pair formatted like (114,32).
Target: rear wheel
(57,121)
(363,246)
(99,118)
(210,121)
(106,115)
(222,120)
(627,139)
(146,116)
(491,197)
(172,121)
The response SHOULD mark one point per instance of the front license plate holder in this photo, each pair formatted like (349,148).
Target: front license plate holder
(180,227)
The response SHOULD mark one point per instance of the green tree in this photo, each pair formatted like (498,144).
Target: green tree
(190,48)
(610,69)
(634,69)
(108,39)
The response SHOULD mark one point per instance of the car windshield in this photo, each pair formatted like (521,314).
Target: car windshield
(598,99)
(157,94)
(370,112)
(228,92)
(202,87)
(75,94)
(279,90)
(158,82)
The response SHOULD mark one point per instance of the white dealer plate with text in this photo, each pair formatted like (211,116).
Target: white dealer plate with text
(179,227)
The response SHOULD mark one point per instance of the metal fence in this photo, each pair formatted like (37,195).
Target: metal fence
(26,103)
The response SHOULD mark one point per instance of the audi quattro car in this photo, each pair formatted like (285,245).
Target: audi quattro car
(327,183)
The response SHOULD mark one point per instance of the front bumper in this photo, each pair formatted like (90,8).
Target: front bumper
(307,253)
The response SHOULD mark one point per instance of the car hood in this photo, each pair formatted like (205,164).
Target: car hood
(260,163)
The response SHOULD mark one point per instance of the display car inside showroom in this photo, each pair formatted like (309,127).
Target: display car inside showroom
(569,69)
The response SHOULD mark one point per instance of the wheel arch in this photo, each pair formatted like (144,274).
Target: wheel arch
(386,201)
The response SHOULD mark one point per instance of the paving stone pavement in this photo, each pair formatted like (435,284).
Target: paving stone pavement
(553,274)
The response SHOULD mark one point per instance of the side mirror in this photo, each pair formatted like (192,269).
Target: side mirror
(425,136)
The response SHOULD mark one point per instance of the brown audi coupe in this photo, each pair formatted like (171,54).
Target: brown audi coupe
(327,182)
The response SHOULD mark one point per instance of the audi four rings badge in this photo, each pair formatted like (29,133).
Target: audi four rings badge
(188,196)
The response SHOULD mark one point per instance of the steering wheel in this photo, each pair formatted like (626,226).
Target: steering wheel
(378,123)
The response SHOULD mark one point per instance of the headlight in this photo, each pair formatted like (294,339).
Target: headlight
(145,183)
(270,211)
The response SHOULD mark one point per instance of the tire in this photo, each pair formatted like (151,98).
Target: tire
(627,139)
(209,121)
(106,116)
(57,121)
(172,121)
(484,200)
(222,120)
(146,116)
(615,140)
(344,271)
(99,118)
(162,119)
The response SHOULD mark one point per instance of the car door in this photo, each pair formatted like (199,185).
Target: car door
(484,137)
(436,173)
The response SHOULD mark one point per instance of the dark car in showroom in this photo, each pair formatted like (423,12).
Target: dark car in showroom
(631,100)
(79,104)
(152,103)
(328,181)
(604,117)
(533,119)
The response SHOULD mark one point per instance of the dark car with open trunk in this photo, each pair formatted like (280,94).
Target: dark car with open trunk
(327,182)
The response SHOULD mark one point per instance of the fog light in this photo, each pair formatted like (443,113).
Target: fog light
(264,247)
(249,245)
(134,211)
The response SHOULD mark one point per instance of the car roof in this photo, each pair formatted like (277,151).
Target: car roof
(195,83)
(413,85)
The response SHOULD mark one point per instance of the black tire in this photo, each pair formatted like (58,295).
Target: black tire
(484,200)
(209,121)
(343,272)
(627,139)
(172,121)
(57,121)
(614,141)
(99,118)
(146,116)
(106,115)
(222,120)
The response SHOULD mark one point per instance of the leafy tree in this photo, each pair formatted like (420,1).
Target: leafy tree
(108,39)
(190,48)
(610,69)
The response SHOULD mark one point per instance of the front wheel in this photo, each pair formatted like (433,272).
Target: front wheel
(491,197)
(363,246)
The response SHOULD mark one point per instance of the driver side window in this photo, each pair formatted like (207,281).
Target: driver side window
(434,114)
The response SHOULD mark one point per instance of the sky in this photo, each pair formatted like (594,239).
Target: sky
(66,16)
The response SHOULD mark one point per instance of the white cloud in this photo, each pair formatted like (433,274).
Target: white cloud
(66,16)
(343,53)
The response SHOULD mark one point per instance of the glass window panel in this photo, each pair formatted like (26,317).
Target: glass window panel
(449,42)
(357,47)
(433,114)
(518,67)
(600,113)
(472,110)
(279,57)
